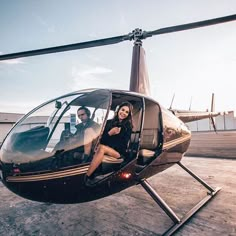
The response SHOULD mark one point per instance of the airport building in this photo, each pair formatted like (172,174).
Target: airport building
(223,122)
(7,120)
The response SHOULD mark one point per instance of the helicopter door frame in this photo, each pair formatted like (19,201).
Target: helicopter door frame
(94,149)
(58,119)
(151,138)
(134,141)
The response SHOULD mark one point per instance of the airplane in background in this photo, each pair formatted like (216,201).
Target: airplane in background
(33,166)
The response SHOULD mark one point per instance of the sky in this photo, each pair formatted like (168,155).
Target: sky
(190,64)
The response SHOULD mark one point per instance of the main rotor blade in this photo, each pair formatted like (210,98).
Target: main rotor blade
(69,47)
(117,39)
(191,25)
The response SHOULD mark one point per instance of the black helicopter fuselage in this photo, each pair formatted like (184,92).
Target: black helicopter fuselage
(36,166)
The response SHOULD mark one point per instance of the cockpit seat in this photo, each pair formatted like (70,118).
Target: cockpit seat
(30,140)
(110,164)
(145,156)
(146,153)
(148,145)
(112,160)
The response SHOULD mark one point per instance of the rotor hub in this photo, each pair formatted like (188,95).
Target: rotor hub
(137,35)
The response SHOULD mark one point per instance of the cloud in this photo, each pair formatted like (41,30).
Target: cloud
(87,76)
(12,61)
(88,72)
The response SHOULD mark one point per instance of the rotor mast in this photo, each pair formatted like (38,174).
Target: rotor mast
(139,79)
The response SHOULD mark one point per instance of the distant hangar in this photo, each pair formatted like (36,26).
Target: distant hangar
(223,122)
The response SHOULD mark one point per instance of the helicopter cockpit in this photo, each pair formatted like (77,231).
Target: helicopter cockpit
(36,137)
(44,139)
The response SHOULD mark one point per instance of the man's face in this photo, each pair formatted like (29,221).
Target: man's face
(82,116)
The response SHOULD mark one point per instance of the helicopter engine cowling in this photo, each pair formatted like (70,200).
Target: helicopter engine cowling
(176,135)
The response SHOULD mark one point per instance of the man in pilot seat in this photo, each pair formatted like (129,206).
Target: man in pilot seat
(80,143)
(86,131)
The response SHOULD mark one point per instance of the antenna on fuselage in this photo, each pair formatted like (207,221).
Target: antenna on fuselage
(172,100)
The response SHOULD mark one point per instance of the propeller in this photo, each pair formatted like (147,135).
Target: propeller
(136,35)
(213,122)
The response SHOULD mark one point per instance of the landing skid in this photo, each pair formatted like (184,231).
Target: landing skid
(177,221)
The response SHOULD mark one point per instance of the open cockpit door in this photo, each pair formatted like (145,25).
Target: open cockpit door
(151,136)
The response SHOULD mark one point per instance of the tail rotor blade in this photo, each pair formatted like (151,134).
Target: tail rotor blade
(213,121)
(213,124)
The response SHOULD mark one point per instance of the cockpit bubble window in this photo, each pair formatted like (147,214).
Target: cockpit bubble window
(37,134)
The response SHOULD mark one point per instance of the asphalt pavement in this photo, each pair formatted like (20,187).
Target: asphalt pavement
(132,211)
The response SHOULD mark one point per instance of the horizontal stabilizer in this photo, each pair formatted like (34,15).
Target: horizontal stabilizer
(189,116)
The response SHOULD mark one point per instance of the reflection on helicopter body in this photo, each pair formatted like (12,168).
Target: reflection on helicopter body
(176,135)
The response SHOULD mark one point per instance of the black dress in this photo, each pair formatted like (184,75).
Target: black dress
(119,141)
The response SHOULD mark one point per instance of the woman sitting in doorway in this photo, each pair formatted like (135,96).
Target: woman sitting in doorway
(114,140)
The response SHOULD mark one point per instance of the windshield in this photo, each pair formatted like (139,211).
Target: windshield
(55,127)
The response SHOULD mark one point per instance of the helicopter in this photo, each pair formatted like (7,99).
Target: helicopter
(34,166)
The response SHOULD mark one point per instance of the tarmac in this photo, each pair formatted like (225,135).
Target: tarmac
(132,211)
(210,144)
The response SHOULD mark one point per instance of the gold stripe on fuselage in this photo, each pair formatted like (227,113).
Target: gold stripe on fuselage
(79,170)
(47,176)
(175,142)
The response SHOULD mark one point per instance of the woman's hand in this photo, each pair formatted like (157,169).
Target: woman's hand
(114,131)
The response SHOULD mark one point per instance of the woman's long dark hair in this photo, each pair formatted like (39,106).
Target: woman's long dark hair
(128,121)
